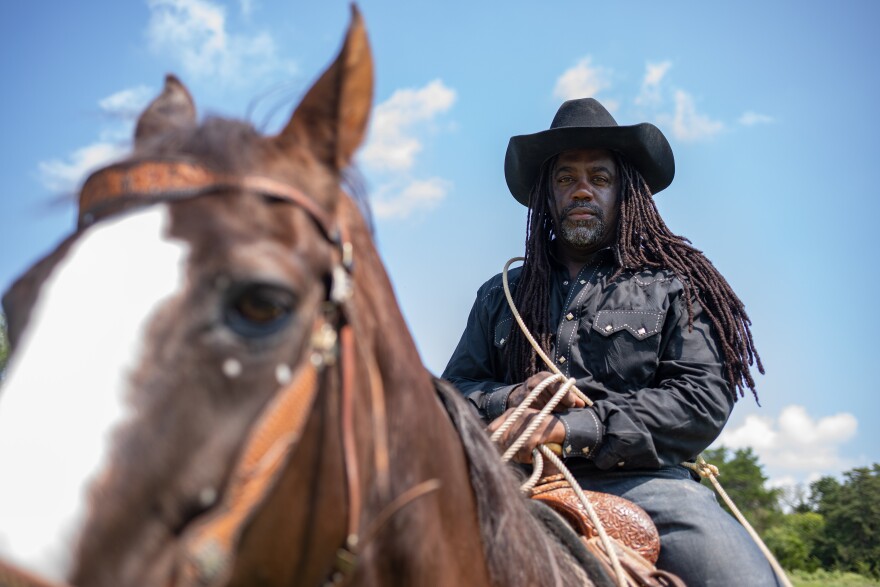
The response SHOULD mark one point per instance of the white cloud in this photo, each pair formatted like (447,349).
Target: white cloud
(194,32)
(66,175)
(750,118)
(247,7)
(795,442)
(654,74)
(687,124)
(392,142)
(127,103)
(417,196)
(397,133)
(584,80)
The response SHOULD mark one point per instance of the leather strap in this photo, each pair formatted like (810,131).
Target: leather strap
(174,179)
(211,548)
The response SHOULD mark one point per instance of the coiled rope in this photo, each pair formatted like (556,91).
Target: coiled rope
(539,453)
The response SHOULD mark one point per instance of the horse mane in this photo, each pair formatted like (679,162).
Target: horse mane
(517,545)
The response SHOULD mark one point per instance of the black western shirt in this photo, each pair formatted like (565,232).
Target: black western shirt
(658,387)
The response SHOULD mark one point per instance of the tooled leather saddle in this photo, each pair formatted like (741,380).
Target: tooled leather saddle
(634,536)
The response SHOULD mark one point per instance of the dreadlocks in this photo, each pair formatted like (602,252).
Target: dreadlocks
(643,241)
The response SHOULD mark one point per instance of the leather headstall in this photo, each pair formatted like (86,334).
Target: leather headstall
(210,546)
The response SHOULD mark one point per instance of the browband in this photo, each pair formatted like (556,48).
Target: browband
(174,179)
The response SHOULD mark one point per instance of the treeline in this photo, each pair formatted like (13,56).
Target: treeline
(830,524)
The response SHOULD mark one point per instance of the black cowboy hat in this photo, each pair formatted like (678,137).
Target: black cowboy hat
(586,124)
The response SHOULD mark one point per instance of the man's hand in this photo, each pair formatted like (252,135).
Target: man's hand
(516,397)
(550,430)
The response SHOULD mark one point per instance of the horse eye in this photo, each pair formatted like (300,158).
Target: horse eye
(259,309)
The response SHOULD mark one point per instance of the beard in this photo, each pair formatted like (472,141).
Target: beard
(585,232)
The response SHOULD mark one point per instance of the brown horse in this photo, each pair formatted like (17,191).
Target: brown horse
(212,383)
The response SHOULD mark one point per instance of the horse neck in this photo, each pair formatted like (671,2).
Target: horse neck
(407,442)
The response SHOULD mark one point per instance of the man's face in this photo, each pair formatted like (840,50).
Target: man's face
(585,192)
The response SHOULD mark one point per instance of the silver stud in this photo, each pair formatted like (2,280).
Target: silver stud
(231,368)
(641,331)
(561,360)
(207,497)
(621,463)
(501,341)
(586,450)
(283,374)
(583,281)
(609,328)
(569,316)
(565,282)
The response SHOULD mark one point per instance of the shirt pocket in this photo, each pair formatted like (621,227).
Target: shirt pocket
(628,345)
(501,333)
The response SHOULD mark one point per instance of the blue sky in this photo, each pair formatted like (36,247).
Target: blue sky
(771,109)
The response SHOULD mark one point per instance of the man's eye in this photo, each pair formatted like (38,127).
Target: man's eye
(599,180)
(564,179)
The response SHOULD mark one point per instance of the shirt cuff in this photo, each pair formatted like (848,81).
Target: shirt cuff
(495,402)
(583,432)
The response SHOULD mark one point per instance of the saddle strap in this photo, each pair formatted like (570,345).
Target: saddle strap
(638,571)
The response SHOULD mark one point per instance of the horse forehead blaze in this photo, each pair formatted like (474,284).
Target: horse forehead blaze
(67,390)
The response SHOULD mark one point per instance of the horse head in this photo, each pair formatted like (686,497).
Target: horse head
(181,354)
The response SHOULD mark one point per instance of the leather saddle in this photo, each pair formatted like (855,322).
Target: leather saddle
(634,536)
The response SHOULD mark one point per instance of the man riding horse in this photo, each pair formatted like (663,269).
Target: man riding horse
(643,321)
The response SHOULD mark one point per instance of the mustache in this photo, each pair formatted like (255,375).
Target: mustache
(594,208)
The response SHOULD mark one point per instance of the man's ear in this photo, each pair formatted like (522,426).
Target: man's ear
(332,119)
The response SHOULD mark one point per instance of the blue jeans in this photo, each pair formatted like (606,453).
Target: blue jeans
(699,541)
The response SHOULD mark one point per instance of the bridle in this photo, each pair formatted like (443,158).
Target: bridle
(209,550)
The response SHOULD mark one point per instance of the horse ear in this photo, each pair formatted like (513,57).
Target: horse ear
(332,118)
(173,108)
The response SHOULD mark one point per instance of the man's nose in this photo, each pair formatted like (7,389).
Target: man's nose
(583,190)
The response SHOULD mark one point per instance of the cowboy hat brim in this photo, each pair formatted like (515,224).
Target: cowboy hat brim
(642,144)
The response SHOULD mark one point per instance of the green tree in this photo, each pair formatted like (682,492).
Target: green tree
(793,540)
(851,541)
(743,479)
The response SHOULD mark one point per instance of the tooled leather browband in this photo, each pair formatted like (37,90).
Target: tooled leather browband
(173,179)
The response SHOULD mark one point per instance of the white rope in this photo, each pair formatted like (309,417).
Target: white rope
(591,512)
(539,418)
(522,326)
(710,472)
(518,412)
